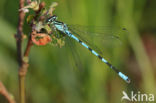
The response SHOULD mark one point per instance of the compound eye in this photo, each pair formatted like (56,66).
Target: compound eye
(48,20)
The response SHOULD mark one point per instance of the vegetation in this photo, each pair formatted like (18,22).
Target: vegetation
(71,74)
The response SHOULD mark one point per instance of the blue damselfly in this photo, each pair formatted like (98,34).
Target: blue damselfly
(63,28)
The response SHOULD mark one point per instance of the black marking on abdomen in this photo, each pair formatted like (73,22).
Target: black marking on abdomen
(99,57)
(111,66)
(89,49)
(80,41)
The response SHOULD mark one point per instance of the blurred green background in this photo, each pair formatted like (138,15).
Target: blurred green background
(55,75)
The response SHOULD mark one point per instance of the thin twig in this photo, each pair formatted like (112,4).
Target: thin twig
(6,94)
(19,50)
(29,44)
(20,32)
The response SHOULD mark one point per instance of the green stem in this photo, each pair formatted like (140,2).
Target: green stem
(22,88)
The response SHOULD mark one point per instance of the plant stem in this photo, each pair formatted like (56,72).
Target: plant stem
(22,88)
(19,52)
(6,94)
(23,71)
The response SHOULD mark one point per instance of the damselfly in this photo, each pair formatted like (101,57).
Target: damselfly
(63,28)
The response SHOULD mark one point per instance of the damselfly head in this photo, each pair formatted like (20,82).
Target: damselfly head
(51,19)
